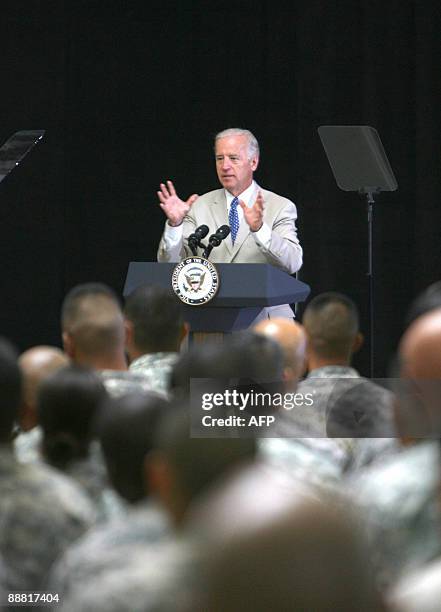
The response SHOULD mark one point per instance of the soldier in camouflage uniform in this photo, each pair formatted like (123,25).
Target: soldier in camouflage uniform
(41,512)
(94,336)
(155,331)
(401,496)
(162,575)
(36,364)
(127,429)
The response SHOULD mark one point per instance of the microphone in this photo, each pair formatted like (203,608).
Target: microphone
(194,240)
(216,239)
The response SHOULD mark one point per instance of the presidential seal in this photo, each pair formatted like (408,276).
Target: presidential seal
(195,281)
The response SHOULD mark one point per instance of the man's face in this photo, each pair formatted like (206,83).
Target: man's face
(233,166)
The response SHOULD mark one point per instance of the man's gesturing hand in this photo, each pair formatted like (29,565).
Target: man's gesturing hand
(254,214)
(172,205)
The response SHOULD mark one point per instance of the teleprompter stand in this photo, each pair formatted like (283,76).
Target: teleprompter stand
(359,163)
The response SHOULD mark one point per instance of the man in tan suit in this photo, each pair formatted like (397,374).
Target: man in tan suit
(262,223)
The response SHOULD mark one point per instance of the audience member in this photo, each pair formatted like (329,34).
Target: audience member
(400,497)
(345,405)
(179,472)
(41,511)
(68,404)
(316,460)
(94,336)
(126,429)
(155,331)
(312,558)
(290,336)
(427,300)
(36,364)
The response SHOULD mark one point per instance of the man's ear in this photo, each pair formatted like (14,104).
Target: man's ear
(254,163)
(68,345)
(128,333)
(358,342)
(157,477)
(185,330)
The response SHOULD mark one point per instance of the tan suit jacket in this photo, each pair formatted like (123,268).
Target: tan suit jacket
(280,214)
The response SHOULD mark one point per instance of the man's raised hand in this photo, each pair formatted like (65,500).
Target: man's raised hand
(254,214)
(172,205)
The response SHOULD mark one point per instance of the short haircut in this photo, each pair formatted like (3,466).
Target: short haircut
(68,402)
(331,322)
(244,356)
(253,145)
(91,314)
(10,389)
(156,315)
(198,462)
(126,429)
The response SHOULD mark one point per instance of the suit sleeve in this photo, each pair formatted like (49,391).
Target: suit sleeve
(173,246)
(280,243)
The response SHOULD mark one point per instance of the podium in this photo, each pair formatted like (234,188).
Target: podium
(245,289)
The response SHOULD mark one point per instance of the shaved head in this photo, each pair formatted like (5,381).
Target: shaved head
(291,338)
(36,365)
(420,368)
(420,347)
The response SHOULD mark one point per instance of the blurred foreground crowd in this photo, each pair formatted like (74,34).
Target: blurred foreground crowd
(108,501)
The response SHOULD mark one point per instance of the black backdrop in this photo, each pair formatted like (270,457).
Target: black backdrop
(131,93)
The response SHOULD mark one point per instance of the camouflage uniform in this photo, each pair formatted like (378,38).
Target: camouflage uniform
(155,578)
(41,513)
(27,445)
(156,369)
(331,386)
(316,461)
(89,473)
(107,548)
(122,382)
(400,500)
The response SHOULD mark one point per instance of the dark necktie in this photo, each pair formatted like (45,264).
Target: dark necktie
(233,218)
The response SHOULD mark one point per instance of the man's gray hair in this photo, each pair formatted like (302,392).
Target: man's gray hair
(253,145)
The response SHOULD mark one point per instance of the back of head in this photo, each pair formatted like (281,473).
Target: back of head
(127,426)
(256,357)
(310,559)
(36,364)
(429,299)
(194,465)
(331,322)
(243,358)
(292,339)
(92,321)
(156,318)
(68,403)
(206,360)
(420,369)
(10,389)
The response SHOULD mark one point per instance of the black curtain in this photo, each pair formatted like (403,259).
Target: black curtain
(131,93)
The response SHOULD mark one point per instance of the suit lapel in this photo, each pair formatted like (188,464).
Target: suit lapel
(219,212)
(244,228)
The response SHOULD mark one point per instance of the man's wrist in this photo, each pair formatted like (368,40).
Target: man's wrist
(258,229)
(174,224)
